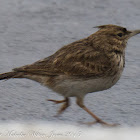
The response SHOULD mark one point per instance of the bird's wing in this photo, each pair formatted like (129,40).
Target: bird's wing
(77,59)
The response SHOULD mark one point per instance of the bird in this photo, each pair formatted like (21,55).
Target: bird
(91,64)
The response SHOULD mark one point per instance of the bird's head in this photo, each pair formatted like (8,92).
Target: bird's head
(118,32)
(115,35)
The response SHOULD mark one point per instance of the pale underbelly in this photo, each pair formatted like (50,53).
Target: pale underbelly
(80,87)
(71,86)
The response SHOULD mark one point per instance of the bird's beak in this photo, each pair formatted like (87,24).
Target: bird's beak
(134,32)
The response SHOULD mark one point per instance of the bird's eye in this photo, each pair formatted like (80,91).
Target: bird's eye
(124,30)
(120,34)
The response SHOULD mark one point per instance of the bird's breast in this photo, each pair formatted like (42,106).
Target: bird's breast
(73,86)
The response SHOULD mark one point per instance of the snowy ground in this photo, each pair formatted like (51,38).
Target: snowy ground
(43,131)
(34,29)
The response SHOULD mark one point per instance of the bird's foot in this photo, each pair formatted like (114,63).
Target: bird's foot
(63,107)
(101,122)
(57,101)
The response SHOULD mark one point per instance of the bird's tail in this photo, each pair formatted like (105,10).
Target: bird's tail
(9,75)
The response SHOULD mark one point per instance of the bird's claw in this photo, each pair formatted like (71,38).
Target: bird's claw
(56,101)
(101,122)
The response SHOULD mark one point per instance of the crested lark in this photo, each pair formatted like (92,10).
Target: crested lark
(88,65)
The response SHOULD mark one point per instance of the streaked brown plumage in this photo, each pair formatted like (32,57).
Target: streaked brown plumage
(91,64)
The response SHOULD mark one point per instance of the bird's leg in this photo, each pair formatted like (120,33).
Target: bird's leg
(98,120)
(63,107)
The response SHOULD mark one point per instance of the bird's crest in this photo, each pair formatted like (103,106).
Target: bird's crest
(107,26)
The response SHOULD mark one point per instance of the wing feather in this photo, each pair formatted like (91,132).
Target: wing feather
(76,59)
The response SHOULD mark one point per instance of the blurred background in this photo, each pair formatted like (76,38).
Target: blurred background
(33,29)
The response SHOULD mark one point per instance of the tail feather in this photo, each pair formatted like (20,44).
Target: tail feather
(8,75)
